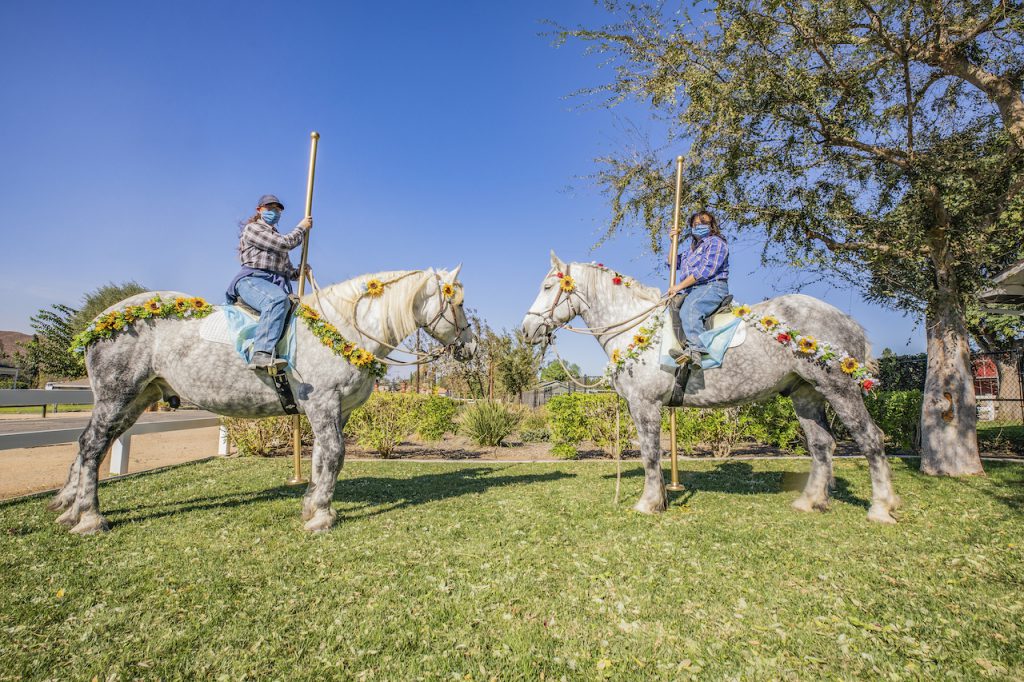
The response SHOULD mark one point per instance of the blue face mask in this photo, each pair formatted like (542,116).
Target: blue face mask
(701,230)
(269,215)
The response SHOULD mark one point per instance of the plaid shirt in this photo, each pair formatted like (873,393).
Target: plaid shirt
(264,248)
(707,260)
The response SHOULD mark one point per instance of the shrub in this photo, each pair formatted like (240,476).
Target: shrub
(534,426)
(564,451)
(567,419)
(773,422)
(384,421)
(897,413)
(488,423)
(436,417)
(579,417)
(266,437)
(719,429)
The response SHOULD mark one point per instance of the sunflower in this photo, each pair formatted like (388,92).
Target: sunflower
(328,341)
(153,305)
(131,313)
(639,340)
(348,348)
(568,284)
(807,344)
(181,304)
(616,356)
(448,290)
(849,365)
(769,322)
(198,303)
(374,287)
(361,357)
(330,328)
(741,311)
(309,313)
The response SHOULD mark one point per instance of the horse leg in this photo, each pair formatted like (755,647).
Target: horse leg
(65,497)
(851,410)
(110,418)
(647,417)
(329,451)
(810,412)
(314,475)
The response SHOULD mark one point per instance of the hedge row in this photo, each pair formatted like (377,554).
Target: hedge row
(567,421)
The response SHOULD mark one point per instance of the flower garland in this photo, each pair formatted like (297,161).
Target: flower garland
(642,340)
(105,326)
(825,354)
(618,279)
(329,335)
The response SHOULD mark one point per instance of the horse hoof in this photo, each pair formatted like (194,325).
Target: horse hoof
(69,518)
(805,504)
(880,514)
(322,520)
(648,508)
(91,524)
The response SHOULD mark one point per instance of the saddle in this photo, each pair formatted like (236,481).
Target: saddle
(682,372)
(278,376)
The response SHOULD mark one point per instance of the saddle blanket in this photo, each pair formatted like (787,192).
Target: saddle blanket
(722,332)
(231,326)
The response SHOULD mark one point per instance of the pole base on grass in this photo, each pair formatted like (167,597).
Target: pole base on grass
(297,481)
(675,487)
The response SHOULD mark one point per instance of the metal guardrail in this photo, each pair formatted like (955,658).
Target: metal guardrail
(120,449)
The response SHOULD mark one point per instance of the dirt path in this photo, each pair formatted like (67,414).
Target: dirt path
(28,470)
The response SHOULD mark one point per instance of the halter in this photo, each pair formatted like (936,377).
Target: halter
(444,304)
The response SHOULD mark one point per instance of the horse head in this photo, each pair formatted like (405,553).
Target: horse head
(440,313)
(558,302)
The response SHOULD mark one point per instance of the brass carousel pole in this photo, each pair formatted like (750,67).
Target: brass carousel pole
(296,434)
(675,485)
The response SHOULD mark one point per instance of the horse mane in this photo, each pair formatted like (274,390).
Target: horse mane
(595,276)
(394,306)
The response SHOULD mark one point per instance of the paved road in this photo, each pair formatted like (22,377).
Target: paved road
(80,421)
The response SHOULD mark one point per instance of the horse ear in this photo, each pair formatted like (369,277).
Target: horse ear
(455,272)
(556,262)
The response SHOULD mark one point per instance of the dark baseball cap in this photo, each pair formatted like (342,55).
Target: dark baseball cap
(268,199)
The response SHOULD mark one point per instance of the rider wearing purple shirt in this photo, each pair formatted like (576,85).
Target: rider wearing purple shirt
(703,272)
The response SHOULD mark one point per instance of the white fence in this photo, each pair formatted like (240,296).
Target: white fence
(121,448)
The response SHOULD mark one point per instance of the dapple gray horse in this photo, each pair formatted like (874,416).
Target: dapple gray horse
(158,358)
(757,369)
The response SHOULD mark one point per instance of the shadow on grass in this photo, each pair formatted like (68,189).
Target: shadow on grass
(739,478)
(364,491)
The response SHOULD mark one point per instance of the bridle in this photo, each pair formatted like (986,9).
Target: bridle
(548,318)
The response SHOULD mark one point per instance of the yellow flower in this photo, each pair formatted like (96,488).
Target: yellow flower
(849,365)
(807,344)
(361,357)
(448,290)
(153,305)
(348,348)
(374,287)
(181,304)
(568,284)
(131,313)
(639,340)
(309,313)
(198,303)
(769,322)
(616,356)
(330,328)
(101,326)
(328,341)
(741,310)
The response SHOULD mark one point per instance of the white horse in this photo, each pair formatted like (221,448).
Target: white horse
(158,359)
(757,369)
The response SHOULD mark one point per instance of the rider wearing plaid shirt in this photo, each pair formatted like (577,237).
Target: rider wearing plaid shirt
(704,272)
(264,282)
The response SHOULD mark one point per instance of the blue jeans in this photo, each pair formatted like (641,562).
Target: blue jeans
(701,300)
(272,302)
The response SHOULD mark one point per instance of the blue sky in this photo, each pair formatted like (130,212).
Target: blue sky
(136,135)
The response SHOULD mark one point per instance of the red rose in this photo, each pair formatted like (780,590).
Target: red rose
(868,384)
(616,280)
(600,265)
(783,338)
(560,275)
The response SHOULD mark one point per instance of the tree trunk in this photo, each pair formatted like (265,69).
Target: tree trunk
(949,416)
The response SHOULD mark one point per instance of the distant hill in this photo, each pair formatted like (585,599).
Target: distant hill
(10,341)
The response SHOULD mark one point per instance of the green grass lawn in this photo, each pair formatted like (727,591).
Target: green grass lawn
(71,407)
(518,571)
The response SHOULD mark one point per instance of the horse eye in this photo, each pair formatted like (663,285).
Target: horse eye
(548,286)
